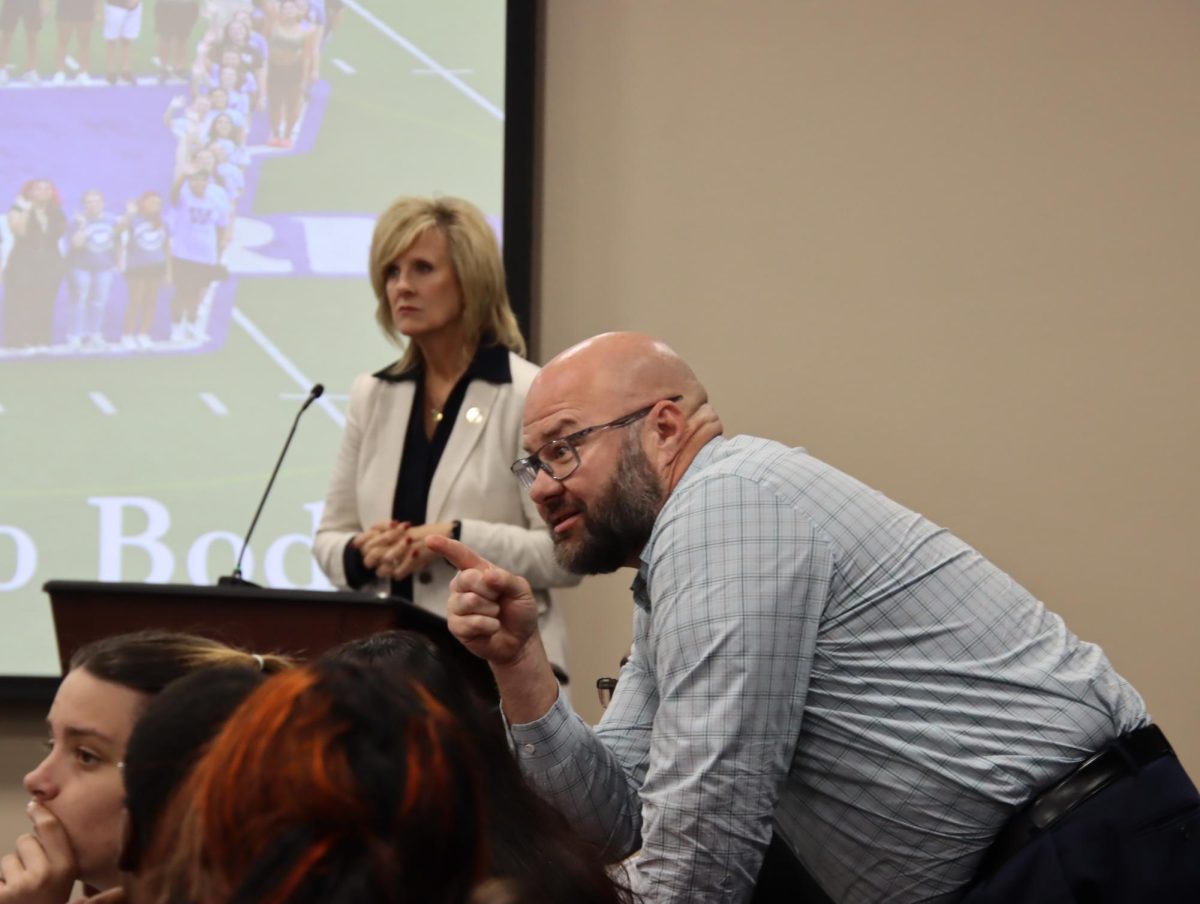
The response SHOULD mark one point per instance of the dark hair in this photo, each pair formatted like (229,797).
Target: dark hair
(147,661)
(168,738)
(331,784)
(386,648)
(338,783)
(528,843)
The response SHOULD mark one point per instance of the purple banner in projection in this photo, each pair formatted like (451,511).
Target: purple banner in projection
(118,140)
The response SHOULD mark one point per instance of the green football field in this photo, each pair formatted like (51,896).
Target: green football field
(148,465)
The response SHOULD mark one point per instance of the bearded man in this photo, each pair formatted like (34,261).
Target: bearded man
(813,660)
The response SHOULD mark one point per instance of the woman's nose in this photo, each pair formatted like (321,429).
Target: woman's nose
(400,284)
(39,782)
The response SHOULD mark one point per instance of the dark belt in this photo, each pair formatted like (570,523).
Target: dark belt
(1125,756)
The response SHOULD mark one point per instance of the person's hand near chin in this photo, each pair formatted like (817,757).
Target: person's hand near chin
(42,868)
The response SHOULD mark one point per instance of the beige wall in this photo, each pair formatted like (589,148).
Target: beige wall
(952,247)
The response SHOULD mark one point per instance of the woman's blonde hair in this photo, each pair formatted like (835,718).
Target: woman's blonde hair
(478,267)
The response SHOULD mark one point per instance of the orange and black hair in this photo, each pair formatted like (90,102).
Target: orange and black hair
(329,784)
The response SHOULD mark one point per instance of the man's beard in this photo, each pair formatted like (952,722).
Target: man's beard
(619,524)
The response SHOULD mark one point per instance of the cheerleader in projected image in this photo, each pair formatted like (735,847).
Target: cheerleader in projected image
(147,265)
(291,62)
(225,133)
(200,230)
(93,263)
(35,267)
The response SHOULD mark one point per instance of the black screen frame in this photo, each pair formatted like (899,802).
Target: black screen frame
(520,110)
(522,20)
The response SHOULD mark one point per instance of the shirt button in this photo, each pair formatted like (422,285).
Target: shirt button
(424,577)
(529,748)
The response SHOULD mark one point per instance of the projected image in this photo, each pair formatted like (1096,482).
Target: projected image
(189,194)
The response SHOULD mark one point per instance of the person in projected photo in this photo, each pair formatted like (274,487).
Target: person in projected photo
(173,24)
(35,267)
(201,220)
(225,133)
(428,438)
(147,265)
(247,47)
(74,17)
(219,103)
(227,173)
(122,26)
(30,13)
(243,79)
(76,791)
(291,63)
(93,240)
(187,119)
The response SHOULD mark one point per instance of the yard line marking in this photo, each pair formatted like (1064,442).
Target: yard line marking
(286,365)
(435,72)
(100,400)
(213,403)
(425,58)
(344,66)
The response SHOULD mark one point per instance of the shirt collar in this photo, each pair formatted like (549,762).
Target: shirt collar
(490,364)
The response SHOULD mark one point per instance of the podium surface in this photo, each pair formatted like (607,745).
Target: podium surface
(299,623)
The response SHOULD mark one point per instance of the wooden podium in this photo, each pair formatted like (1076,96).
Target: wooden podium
(300,623)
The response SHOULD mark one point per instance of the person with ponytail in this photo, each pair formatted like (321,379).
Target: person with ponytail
(76,791)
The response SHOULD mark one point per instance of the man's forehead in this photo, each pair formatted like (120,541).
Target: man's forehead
(550,421)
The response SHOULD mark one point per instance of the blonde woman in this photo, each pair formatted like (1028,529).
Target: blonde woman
(429,439)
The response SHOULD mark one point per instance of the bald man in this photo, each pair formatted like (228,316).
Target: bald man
(814,660)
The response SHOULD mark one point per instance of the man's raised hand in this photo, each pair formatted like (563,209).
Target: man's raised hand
(491,611)
(494,615)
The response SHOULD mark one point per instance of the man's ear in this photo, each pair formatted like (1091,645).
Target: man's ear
(668,428)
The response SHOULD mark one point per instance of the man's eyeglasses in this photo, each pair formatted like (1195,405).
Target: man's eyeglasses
(560,457)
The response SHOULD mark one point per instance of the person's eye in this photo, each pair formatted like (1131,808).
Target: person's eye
(556,453)
(423,267)
(391,272)
(86,758)
(48,745)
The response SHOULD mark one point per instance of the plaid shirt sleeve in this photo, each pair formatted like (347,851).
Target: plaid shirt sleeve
(707,712)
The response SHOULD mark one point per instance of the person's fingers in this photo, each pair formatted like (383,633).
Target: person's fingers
(386,559)
(471,628)
(50,833)
(472,604)
(10,868)
(404,566)
(471,582)
(456,553)
(112,896)
(377,548)
(376,530)
(32,856)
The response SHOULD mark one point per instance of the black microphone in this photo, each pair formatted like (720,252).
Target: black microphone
(236,577)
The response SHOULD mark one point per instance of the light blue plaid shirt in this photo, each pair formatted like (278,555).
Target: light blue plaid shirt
(810,656)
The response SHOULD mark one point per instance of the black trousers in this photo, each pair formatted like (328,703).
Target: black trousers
(1135,842)
(783,880)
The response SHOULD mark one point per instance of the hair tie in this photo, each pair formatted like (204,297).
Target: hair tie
(262,666)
